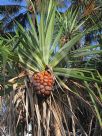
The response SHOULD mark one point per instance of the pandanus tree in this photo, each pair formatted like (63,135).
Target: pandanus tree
(49,95)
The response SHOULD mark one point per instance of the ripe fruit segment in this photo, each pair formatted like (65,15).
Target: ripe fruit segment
(43,83)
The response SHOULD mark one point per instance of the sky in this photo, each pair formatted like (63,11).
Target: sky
(67,4)
(13,2)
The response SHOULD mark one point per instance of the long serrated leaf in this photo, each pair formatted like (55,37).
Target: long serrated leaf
(42,36)
(48,38)
(28,64)
(75,73)
(33,29)
(31,57)
(88,53)
(57,38)
(64,50)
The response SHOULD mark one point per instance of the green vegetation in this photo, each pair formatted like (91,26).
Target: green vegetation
(55,48)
